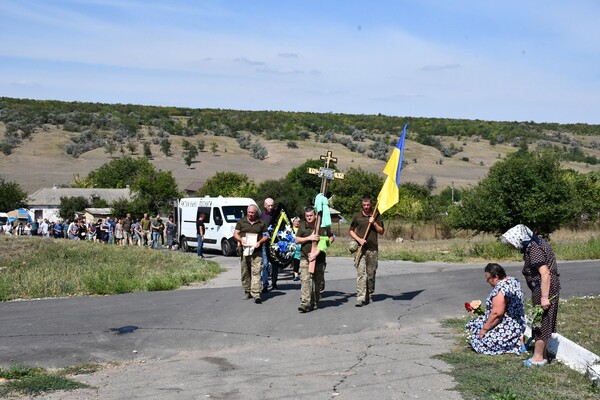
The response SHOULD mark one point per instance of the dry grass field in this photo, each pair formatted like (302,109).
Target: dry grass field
(42,161)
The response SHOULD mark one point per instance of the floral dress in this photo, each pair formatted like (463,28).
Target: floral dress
(506,336)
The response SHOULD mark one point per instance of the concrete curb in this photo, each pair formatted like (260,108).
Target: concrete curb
(573,355)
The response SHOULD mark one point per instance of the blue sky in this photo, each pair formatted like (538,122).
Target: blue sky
(492,60)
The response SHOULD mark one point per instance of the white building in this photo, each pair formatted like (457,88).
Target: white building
(45,203)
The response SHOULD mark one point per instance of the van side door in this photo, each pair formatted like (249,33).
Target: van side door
(214,231)
(207,222)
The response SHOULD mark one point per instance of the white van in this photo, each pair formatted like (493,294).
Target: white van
(221,215)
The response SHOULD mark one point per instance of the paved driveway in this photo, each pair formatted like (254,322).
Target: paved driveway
(206,342)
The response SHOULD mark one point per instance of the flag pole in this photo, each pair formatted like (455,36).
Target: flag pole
(388,170)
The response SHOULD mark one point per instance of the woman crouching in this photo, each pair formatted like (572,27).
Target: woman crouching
(500,329)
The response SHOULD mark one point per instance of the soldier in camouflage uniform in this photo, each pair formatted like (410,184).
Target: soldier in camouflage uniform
(251,265)
(311,283)
(366,264)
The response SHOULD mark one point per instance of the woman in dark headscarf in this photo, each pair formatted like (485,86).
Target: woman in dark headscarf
(541,273)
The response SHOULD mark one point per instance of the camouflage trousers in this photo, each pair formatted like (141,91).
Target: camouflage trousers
(366,267)
(251,267)
(311,283)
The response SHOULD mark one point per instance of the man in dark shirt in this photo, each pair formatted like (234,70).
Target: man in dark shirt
(200,233)
(250,233)
(126,224)
(145,224)
(366,258)
(311,282)
(266,216)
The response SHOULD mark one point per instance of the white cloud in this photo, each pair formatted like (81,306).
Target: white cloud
(509,60)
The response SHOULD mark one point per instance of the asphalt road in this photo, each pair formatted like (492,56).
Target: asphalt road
(207,342)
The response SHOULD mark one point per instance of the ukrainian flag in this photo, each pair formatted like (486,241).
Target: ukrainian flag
(389,194)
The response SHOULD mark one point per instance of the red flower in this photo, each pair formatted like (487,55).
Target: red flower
(468,307)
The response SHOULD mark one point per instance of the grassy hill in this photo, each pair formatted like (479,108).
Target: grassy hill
(41,133)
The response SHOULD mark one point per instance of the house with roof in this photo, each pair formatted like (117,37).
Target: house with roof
(94,214)
(45,203)
(192,188)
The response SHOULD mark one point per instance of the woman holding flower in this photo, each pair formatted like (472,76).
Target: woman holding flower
(541,273)
(499,330)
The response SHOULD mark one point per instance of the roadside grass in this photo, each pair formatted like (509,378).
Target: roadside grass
(36,268)
(579,320)
(35,381)
(503,377)
(477,249)
(577,250)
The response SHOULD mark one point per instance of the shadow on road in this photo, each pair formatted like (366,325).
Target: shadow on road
(407,296)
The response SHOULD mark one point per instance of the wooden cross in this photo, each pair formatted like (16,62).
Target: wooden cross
(326,174)
(328,158)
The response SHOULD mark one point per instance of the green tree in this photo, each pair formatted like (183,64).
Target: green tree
(122,206)
(525,188)
(11,196)
(349,191)
(71,205)
(110,147)
(416,205)
(153,189)
(147,150)
(228,184)
(214,147)
(131,147)
(119,173)
(587,198)
(308,184)
(190,154)
(411,208)
(165,147)
(154,192)
(284,193)
(98,202)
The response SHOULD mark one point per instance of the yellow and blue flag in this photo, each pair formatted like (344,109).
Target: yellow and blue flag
(389,194)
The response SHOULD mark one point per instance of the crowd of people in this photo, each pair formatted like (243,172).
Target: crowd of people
(17,228)
(309,261)
(125,231)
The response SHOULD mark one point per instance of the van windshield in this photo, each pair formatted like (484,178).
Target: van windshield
(234,213)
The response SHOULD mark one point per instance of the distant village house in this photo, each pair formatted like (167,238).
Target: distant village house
(45,203)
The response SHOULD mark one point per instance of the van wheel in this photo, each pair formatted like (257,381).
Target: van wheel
(226,248)
(183,244)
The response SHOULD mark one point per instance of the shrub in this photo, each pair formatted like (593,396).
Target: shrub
(259,151)
(71,126)
(244,141)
